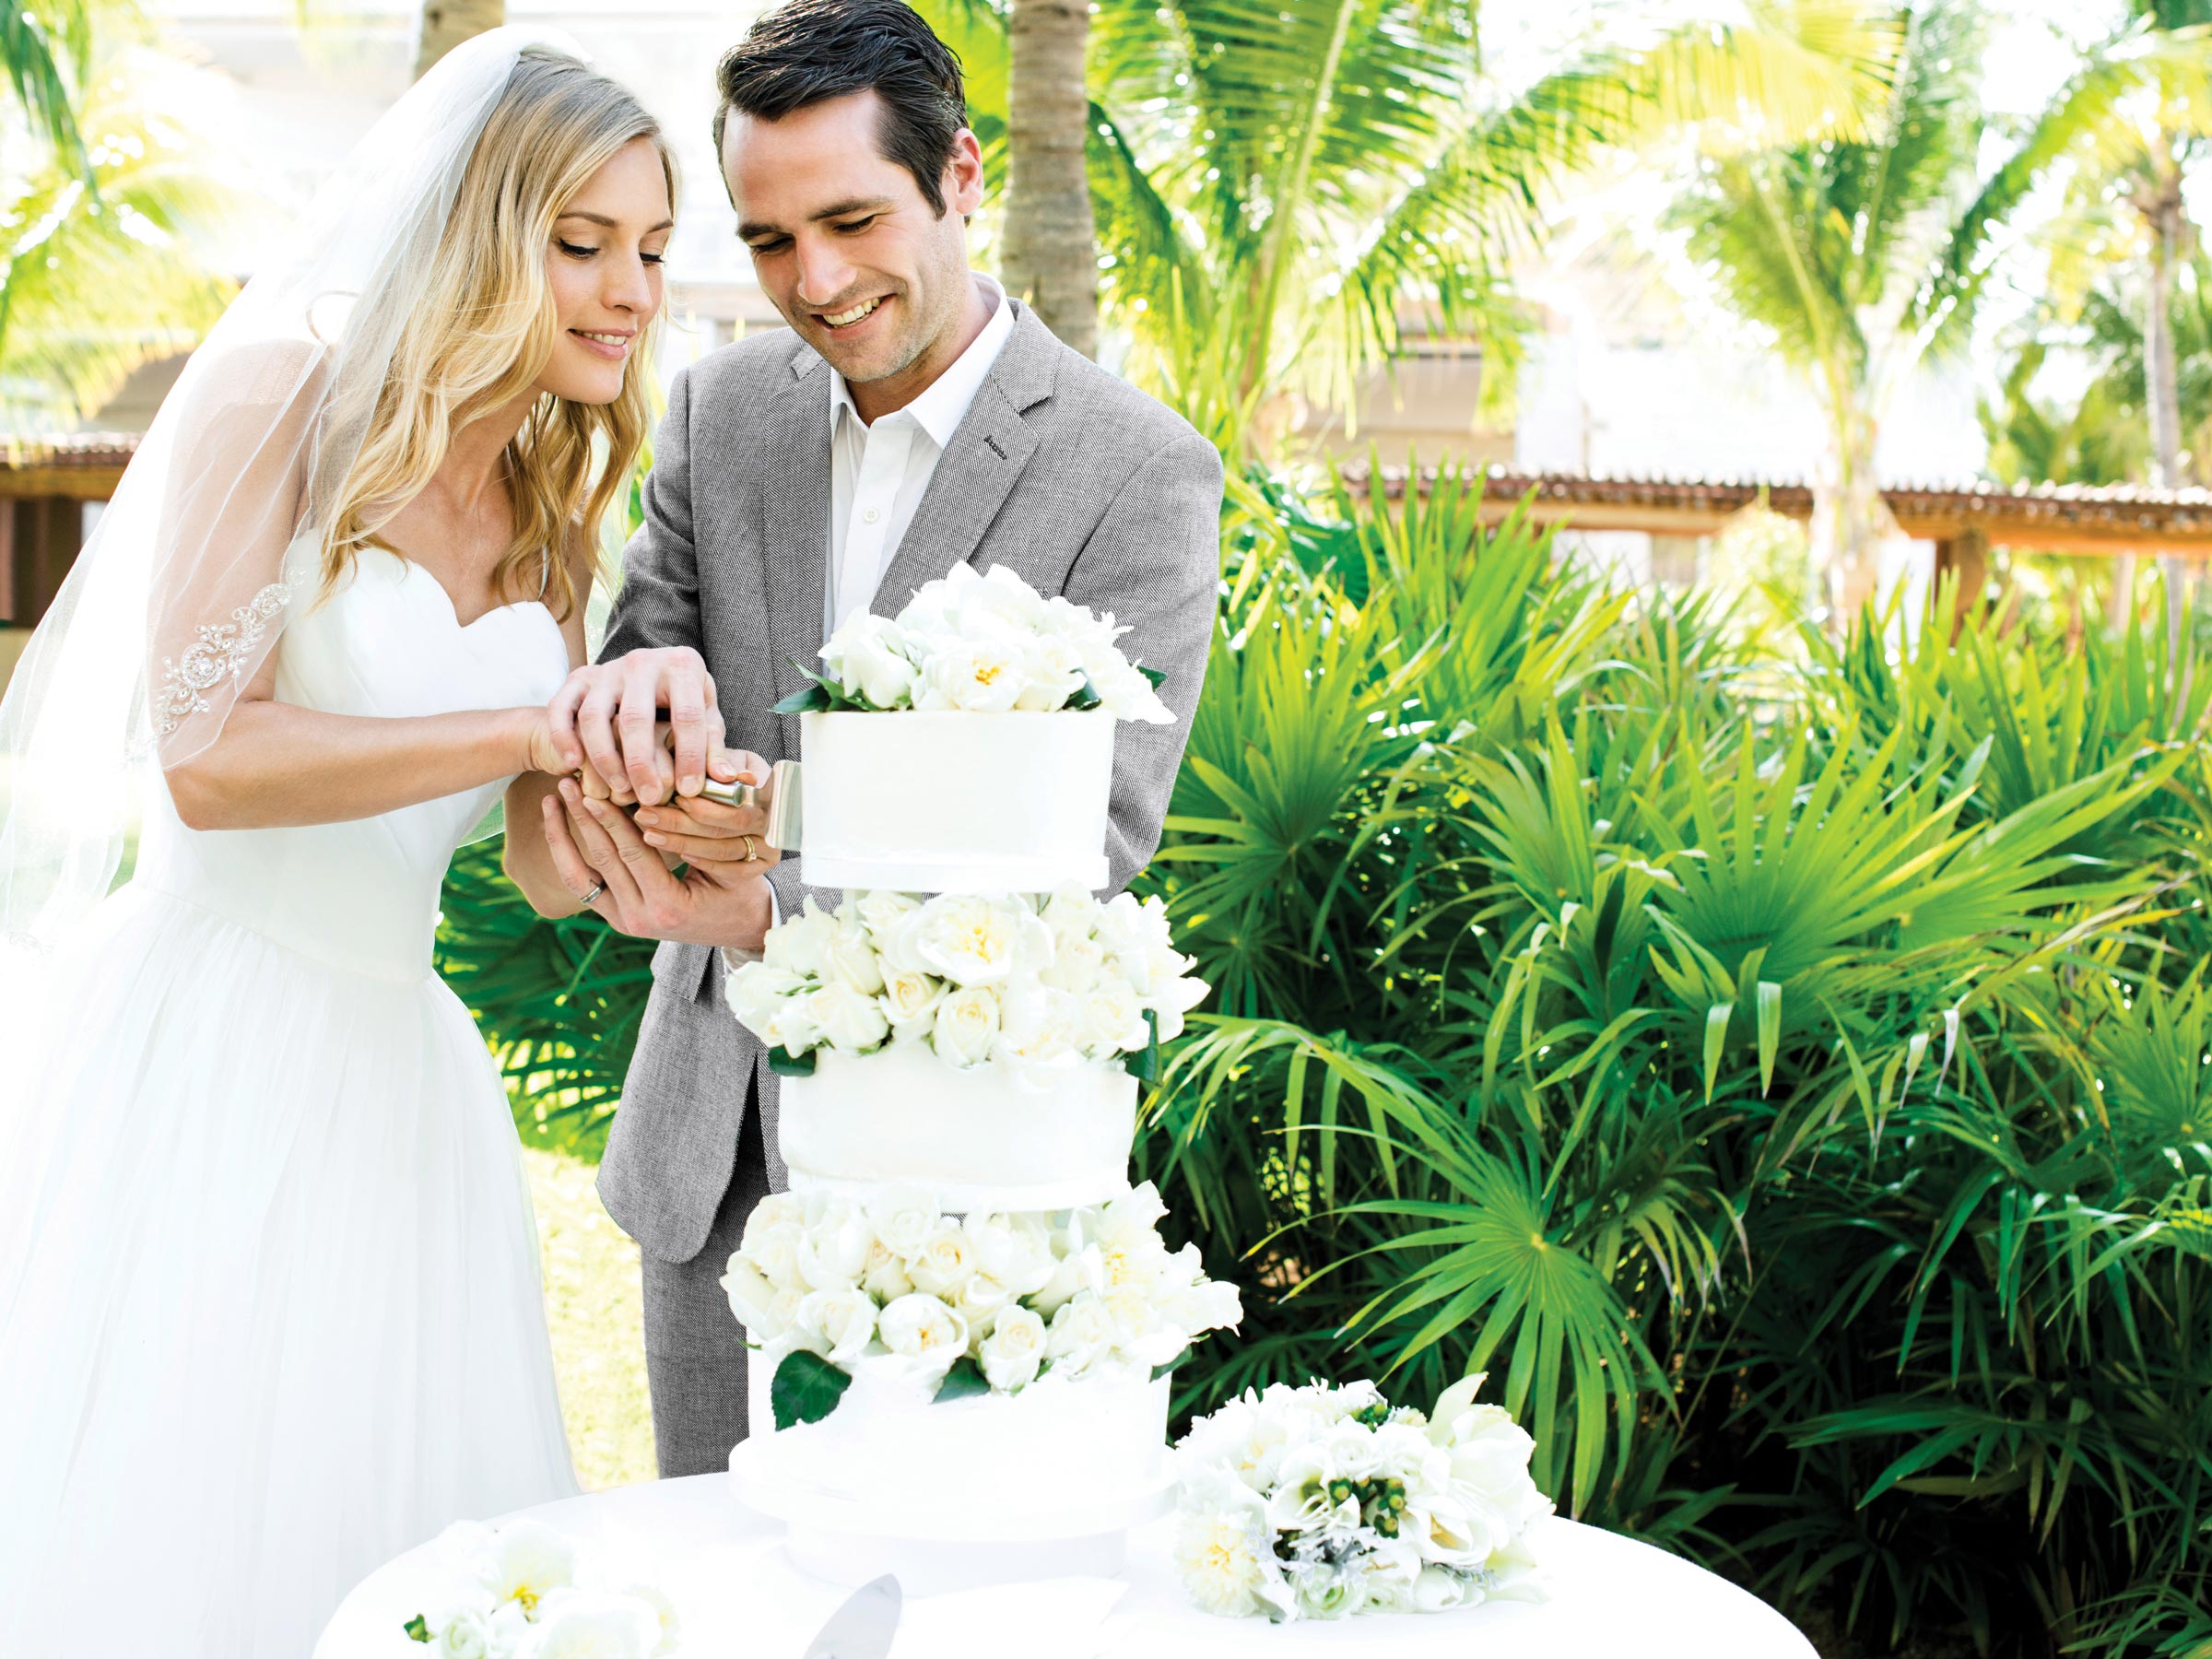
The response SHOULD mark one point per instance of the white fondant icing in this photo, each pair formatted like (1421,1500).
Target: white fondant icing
(947,801)
(1063,1459)
(998,1137)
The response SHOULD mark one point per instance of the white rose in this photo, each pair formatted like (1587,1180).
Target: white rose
(774,1249)
(1172,999)
(846,1318)
(979,1296)
(911,999)
(751,1299)
(1014,1351)
(1005,595)
(971,940)
(879,909)
(884,1276)
(849,1021)
(921,1327)
(1113,1019)
(467,1635)
(1125,693)
(1075,1269)
(868,655)
(800,945)
(665,1611)
(833,1248)
(757,990)
(1055,675)
(791,1027)
(1039,1023)
(945,1261)
(1078,965)
(852,960)
(1016,1252)
(1437,1591)
(1083,1334)
(903,1218)
(966,1026)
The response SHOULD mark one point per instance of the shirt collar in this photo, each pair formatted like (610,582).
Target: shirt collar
(943,403)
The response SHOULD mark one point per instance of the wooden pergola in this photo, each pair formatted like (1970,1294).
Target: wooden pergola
(1964,520)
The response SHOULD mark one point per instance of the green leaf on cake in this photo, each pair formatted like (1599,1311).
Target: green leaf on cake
(1085,696)
(820,694)
(965,1378)
(1142,1064)
(418,1628)
(1162,1370)
(809,700)
(1157,676)
(785,1064)
(807,1388)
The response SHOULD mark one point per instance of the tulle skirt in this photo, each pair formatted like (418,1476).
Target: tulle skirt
(269,1304)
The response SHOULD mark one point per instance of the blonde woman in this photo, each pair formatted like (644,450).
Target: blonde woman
(269,1306)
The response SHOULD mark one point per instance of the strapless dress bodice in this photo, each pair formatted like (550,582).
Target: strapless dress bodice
(362,894)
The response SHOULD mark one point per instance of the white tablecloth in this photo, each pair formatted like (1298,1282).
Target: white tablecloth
(740,1598)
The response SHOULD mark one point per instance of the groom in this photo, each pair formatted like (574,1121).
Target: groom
(913,417)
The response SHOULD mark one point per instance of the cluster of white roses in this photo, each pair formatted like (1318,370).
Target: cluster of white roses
(1061,980)
(988,643)
(516,1594)
(1020,1295)
(1323,1502)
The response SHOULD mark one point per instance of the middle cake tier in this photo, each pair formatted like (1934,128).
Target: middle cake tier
(993,1137)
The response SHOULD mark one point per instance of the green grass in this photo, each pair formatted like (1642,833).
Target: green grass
(591,1306)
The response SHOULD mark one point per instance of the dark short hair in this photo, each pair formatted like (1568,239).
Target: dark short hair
(810,51)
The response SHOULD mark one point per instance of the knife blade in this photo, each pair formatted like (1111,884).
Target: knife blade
(864,1627)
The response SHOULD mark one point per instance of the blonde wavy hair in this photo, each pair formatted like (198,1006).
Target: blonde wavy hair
(484,328)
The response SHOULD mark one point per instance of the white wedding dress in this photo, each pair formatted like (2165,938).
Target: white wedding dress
(269,1301)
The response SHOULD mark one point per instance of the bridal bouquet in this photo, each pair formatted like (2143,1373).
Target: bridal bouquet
(965,1304)
(519,1597)
(1323,1502)
(985,644)
(1056,981)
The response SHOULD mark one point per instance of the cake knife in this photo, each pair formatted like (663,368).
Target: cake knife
(864,1627)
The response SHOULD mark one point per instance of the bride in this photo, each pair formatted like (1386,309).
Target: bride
(269,1308)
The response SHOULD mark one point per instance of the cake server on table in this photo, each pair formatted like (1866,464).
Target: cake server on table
(914,419)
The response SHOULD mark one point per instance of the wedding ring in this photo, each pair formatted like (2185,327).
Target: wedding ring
(752,848)
(598,888)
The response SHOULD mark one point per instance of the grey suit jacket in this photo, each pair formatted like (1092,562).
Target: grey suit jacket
(1059,471)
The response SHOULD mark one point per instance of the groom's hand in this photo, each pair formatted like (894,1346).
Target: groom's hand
(703,830)
(594,846)
(606,715)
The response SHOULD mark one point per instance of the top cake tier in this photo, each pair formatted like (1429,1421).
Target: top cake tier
(956,802)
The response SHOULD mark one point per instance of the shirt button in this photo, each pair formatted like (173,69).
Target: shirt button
(871,515)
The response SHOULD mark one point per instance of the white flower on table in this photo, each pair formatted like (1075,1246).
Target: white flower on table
(525,1562)
(921,1326)
(600,1627)
(1225,1552)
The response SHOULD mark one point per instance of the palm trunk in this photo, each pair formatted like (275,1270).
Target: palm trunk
(447,23)
(1850,517)
(2159,375)
(1051,256)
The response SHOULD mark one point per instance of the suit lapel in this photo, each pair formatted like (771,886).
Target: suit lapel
(796,519)
(989,448)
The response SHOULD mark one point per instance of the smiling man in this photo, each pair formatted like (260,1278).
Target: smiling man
(914,416)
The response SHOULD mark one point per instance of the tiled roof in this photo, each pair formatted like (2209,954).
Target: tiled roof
(2115,510)
(67,450)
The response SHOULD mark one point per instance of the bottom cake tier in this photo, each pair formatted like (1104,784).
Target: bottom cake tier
(990,1488)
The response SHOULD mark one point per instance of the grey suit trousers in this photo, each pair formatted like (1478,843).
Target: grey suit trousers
(695,1352)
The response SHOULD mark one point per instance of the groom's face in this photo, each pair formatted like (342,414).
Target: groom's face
(845,243)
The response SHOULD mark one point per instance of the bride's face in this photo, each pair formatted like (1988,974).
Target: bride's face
(604,267)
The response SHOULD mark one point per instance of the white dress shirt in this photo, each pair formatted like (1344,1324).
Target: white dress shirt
(878,474)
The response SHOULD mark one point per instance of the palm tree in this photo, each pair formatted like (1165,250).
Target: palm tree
(36,43)
(2133,120)
(1863,258)
(1049,252)
(1273,187)
(447,23)
(103,277)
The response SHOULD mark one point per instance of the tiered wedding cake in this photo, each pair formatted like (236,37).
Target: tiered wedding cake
(963,1315)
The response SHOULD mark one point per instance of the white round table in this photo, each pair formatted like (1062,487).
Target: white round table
(739,1597)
